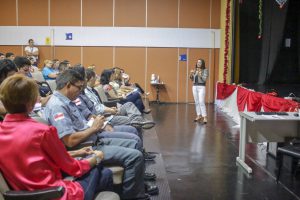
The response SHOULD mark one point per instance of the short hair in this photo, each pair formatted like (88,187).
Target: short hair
(47,61)
(90,74)
(21,61)
(68,76)
(17,92)
(62,66)
(9,54)
(80,69)
(1,54)
(6,66)
(30,40)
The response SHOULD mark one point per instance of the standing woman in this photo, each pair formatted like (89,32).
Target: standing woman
(199,76)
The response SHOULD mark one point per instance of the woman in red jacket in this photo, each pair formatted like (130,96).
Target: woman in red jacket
(34,157)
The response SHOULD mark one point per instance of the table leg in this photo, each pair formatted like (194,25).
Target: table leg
(157,94)
(241,158)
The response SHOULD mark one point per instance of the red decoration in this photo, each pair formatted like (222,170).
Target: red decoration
(226,49)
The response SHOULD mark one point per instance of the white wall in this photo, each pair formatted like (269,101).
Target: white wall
(112,36)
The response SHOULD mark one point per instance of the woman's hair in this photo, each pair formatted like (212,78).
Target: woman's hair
(90,74)
(6,66)
(202,64)
(17,92)
(117,75)
(105,76)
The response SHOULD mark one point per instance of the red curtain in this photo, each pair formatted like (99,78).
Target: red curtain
(254,101)
(242,98)
(224,90)
(276,104)
(251,98)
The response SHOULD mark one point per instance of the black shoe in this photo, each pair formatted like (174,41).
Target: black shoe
(151,189)
(144,124)
(149,176)
(148,156)
(147,111)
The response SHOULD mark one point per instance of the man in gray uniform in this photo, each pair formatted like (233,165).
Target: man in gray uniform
(127,113)
(72,128)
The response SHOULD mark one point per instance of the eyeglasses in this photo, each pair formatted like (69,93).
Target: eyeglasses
(79,87)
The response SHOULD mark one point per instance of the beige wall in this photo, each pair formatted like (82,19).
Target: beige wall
(139,62)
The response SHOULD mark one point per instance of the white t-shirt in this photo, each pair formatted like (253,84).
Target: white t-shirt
(32,50)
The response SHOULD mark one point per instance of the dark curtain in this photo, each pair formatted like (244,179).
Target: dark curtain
(271,59)
(286,67)
(273,30)
(250,46)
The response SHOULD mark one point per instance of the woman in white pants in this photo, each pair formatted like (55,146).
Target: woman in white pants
(199,76)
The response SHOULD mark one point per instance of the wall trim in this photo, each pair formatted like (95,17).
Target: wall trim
(113,36)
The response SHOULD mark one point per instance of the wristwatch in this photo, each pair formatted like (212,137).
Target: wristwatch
(98,160)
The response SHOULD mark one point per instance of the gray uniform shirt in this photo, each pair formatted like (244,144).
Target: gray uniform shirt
(62,113)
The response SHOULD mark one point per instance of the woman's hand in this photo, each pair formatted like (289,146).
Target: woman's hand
(85,151)
(100,154)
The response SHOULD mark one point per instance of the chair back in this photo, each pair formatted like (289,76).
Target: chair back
(101,93)
(38,76)
(52,84)
(3,186)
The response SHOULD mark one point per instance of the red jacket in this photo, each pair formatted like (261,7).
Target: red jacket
(32,157)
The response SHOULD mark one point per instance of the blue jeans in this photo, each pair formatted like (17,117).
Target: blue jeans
(136,99)
(96,180)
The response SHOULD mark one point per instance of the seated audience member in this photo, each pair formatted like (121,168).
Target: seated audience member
(32,68)
(7,68)
(126,114)
(42,149)
(10,56)
(23,65)
(125,80)
(32,52)
(121,131)
(56,63)
(73,129)
(134,97)
(63,66)
(2,56)
(48,71)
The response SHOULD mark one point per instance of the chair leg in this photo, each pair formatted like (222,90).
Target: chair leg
(279,164)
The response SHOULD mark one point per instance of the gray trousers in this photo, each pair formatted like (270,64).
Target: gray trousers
(124,132)
(128,113)
(121,152)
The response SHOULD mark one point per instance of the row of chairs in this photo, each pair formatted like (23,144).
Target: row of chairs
(43,194)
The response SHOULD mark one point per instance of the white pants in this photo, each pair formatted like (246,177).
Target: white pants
(199,97)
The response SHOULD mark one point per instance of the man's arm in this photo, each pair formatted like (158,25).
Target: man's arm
(76,138)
